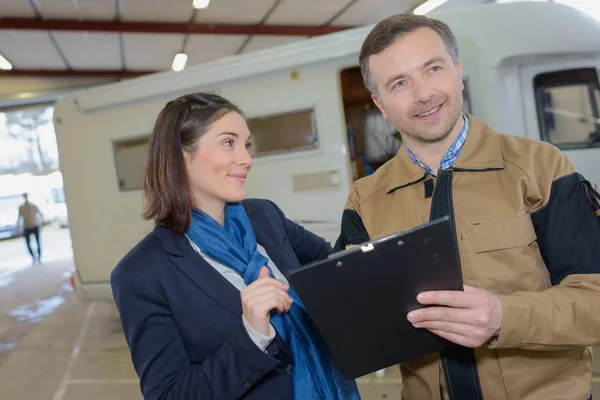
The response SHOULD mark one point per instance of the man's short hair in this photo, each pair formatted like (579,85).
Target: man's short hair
(386,32)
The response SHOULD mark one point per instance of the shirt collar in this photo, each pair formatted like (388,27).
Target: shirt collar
(451,154)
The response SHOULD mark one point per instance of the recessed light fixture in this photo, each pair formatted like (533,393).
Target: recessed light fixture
(198,4)
(179,61)
(4,64)
(428,6)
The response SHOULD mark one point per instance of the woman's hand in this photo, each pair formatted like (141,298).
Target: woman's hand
(262,296)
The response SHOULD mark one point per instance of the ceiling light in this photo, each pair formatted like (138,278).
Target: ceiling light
(428,6)
(201,4)
(179,61)
(4,64)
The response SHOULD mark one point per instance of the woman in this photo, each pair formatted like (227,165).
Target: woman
(203,300)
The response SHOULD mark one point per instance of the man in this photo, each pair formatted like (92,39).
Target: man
(31,218)
(526,230)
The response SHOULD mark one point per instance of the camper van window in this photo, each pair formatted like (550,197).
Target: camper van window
(130,161)
(282,133)
(568,104)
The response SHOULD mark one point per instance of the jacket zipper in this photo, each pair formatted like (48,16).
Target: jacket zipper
(470,355)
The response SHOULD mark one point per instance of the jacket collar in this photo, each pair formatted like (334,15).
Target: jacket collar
(482,151)
(174,244)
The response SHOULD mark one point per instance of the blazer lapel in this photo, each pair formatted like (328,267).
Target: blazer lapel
(199,271)
(274,245)
(210,280)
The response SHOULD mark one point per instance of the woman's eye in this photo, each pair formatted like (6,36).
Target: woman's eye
(228,143)
(248,146)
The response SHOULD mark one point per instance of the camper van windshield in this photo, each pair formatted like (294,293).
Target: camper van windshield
(568,105)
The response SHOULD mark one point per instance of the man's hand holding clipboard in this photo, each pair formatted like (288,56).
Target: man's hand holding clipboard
(470,318)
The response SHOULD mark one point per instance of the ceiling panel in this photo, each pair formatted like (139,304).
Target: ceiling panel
(234,11)
(203,48)
(76,9)
(305,12)
(151,52)
(366,12)
(156,10)
(16,8)
(90,50)
(30,50)
(263,42)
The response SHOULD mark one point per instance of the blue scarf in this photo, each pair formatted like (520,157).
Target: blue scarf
(315,375)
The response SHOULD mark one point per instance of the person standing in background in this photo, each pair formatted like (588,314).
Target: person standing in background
(31,218)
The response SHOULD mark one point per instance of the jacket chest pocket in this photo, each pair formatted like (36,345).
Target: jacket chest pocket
(503,232)
(506,254)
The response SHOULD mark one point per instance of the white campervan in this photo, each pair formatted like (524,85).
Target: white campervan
(530,69)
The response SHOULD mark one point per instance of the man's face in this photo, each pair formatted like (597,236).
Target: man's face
(418,86)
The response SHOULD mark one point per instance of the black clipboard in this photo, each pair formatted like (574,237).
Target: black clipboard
(359,298)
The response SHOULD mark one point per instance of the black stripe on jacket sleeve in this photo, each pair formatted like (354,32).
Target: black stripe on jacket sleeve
(568,230)
(353,231)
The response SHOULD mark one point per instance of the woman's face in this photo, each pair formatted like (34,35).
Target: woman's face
(218,166)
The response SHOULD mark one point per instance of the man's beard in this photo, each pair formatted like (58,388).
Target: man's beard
(441,133)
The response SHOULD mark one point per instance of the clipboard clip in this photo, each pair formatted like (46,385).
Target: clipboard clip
(367,247)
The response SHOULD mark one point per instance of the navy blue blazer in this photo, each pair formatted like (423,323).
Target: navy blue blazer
(183,320)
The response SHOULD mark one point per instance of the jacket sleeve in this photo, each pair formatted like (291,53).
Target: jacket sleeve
(568,235)
(307,246)
(353,230)
(159,356)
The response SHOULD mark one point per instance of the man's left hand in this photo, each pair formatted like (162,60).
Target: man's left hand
(470,318)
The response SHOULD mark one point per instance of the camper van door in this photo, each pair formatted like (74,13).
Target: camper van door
(562,106)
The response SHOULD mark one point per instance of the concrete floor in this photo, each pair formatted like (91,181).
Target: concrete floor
(55,347)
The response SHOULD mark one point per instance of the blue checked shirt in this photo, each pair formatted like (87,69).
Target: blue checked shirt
(452,153)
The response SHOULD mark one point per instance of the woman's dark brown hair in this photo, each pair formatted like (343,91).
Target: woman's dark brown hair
(178,128)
